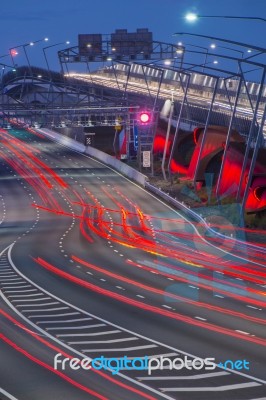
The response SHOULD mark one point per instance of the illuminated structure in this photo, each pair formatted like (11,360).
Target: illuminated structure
(141,80)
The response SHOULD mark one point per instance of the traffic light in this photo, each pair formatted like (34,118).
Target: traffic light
(144,117)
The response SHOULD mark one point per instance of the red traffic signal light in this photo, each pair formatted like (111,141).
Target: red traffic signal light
(144,117)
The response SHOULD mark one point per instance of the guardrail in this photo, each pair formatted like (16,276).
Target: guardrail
(196,217)
(142,179)
(123,168)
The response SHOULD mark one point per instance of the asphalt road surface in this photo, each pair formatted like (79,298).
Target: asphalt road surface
(94,266)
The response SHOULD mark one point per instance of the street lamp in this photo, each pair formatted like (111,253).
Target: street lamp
(200,47)
(200,65)
(193,17)
(215,46)
(251,48)
(48,47)
(13,51)
(9,55)
(4,66)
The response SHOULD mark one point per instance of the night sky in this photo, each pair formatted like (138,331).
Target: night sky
(60,20)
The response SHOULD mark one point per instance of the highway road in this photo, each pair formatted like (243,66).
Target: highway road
(92,265)
(137,87)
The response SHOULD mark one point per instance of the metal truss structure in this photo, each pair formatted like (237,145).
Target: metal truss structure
(157,51)
(142,80)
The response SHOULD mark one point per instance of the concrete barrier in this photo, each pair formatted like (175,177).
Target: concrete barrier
(65,140)
(121,167)
(192,215)
(140,178)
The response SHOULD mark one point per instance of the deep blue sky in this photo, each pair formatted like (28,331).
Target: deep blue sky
(24,20)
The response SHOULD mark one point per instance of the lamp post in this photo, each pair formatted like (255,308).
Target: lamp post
(251,48)
(3,67)
(199,65)
(192,17)
(48,47)
(179,54)
(200,47)
(9,55)
(167,134)
(215,46)
(13,52)
(256,122)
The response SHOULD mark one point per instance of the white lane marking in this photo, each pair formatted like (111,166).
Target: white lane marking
(25,295)
(26,300)
(140,296)
(89,327)
(201,319)
(43,310)
(101,333)
(9,248)
(148,346)
(62,321)
(9,279)
(8,395)
(107,341)
(218,295)
(39,305)
(244,333)
(170,378)
(156,356)
(63,328)
(5,270)
(165,306)
(212,389)
(15,287)
(261,398)
(6,274)
(21,291)
(255,308)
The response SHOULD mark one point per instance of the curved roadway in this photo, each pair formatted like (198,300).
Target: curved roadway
(93,265)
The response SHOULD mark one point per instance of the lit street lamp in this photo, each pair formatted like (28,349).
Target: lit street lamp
(48,47)
(4,66)
(13,51)
(251,48)
(200,65)
(200,47)
(192,17)
(215,46)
